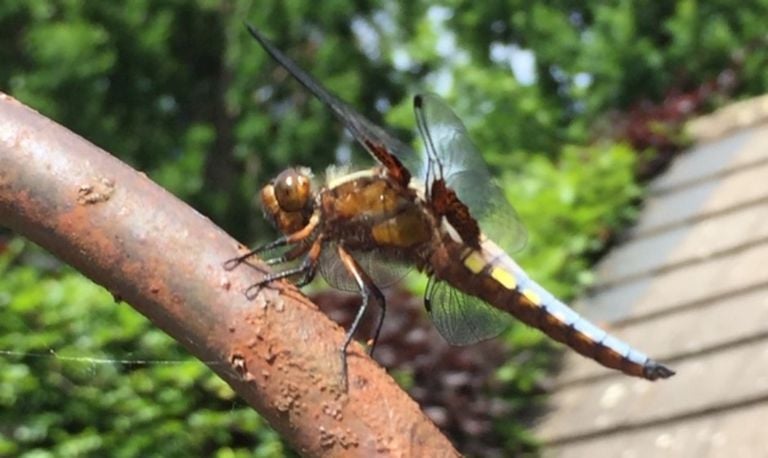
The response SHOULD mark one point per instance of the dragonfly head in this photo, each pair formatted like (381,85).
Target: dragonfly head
(287,200)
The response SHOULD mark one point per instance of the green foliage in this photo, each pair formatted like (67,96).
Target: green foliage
(594,57)
(586,193)
(81,375)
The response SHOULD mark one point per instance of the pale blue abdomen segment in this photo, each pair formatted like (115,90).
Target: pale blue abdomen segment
(525,299)
(569,318)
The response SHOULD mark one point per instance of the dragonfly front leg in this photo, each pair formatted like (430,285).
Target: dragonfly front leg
(296,237)
(294,253)
(307,268)
(370,292)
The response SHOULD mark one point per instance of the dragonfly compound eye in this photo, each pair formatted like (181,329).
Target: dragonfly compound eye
(292,189)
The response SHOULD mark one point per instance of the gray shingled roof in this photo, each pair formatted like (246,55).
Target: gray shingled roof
(689,287)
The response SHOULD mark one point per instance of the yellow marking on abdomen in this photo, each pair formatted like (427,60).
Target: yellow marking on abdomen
(475,262)
(507,279)
(531,296)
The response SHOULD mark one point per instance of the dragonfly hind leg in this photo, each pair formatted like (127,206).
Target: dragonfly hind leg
(370,292)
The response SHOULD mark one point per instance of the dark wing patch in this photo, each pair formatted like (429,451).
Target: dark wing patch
(445,202)
(396,170)
(451,155)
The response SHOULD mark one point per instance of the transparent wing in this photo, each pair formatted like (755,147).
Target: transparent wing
(462,319)
(383,273)
(450,154)
(363,130)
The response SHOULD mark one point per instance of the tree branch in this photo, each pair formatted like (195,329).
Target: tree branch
(278,352)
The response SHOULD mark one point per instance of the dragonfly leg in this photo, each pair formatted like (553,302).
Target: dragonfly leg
(312,258)
(296,237)
(383,305)
(289,255)
(256,288)
(234,262)
(369,291)
(307,268)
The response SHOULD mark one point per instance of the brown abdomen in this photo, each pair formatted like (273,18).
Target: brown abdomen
(493,276)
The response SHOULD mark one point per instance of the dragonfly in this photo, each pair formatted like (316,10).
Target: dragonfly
(438,211)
